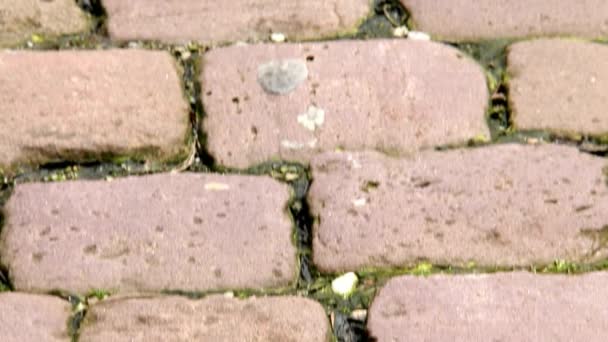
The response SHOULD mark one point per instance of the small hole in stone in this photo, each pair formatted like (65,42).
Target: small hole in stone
(310,58)
(209,93)
(254,130)
(235,100)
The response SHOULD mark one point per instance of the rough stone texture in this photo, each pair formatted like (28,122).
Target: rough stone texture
(215,21)
(497,307)
(33,318)
(470,20)
(151,233)
(394,95)
(213,318)
(90,104)
(559,85)
(20,19)
(504,205)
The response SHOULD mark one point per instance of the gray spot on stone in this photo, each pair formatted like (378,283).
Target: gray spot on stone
(282,76)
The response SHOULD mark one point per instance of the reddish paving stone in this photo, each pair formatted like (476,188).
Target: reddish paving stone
(20,19)
(498,307)
(503,205)
(471,20)
(33,318)
(85,105)
(216,21)
(559,85)
(393,95)
(152,233)
(214,318)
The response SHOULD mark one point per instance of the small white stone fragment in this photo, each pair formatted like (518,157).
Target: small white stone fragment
(417,35)
(359,202)
(277,37)
(345,284)
(216,186)
(313,118)
(359,315)
(229,294)
(400,31)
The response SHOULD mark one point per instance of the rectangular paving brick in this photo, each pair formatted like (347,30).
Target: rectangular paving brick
(89,105)
(216,21)
(33,318)
(472,20)
(160,232)
(292,101)
(501,205)
(497,307)
(22,18)
(559,86)
(214,318)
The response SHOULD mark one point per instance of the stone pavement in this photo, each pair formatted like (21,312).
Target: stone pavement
(204,171)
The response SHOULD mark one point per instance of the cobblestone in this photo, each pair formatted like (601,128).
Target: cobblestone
(190,232)
(473,20)
(19,20)
(214,318)
(559,86)
(33,318)
(504,205)
(496,307)
(418,95)
(218,21)
(88,105)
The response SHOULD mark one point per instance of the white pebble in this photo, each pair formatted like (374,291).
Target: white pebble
(400,31)
(277,37)
(417,35)
(345,284)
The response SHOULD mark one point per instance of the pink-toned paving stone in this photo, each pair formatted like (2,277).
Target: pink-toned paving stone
(33,318)
(496,307)
(19,20)
(559,85)
(472,20)
(214,318)
(161,232)
(292,101)
(88,105)
(502,205)
(217,21)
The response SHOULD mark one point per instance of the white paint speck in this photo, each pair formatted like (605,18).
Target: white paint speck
(216,186)
(313,118)
(359,202)
(296,145)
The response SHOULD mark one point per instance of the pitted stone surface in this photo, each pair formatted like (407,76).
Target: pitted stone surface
(33,318)
(497,307)
(559,85)
(20,19)
(502,205)
(471,20)
(88,105)
(216,21)
(151,233)
(419,94)
(214,318)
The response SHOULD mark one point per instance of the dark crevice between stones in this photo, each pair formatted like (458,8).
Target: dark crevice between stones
(492,56)
(79,309)
(386,16)
(98,14)
(5,192)
(190,61)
